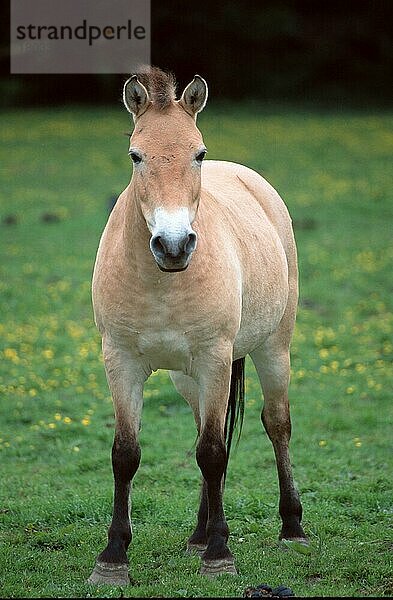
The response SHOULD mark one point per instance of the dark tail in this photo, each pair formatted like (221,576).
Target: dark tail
(235,409)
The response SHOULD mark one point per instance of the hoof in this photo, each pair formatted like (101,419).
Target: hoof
(109,574)
(196,548)
(219,566)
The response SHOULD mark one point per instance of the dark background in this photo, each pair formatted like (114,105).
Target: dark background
(329,51)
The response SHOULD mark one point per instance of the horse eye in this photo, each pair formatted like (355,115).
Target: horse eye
(136,158)
(199,157)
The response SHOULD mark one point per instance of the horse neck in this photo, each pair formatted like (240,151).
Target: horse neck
(136,239)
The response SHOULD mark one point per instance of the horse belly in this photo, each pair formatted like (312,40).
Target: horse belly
(257,327)
(265,298)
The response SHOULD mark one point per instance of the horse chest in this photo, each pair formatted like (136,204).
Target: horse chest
(164,349)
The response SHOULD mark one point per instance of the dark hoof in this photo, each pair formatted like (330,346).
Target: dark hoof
(109,574)
(219,566)
(196,548)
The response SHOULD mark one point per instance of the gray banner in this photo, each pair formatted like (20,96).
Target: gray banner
(79,36)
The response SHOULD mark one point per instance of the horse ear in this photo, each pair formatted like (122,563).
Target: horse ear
(194,97)
(135,97)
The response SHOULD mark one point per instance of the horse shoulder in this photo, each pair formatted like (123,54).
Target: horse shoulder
(109,262)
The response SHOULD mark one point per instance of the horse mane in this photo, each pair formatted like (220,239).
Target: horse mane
(161,85)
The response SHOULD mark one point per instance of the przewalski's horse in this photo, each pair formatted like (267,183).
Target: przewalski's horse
(196,268)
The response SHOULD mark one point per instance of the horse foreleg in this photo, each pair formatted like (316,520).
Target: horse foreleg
(126,384)
(211,458)
(273,369)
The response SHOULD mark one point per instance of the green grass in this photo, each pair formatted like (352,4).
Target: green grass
(56,414)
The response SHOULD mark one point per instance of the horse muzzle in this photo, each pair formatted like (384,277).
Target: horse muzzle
(171,252)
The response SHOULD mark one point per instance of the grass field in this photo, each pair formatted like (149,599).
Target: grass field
(58,168)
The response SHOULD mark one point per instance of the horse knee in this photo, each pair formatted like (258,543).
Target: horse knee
(211,456)
(126,456)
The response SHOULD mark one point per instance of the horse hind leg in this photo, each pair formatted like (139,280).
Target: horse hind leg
(209,405)
(188,388)
(214,377)
(273,366)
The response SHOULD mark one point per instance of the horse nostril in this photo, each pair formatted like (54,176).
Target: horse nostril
(172,248)
(158,245)
(190,243)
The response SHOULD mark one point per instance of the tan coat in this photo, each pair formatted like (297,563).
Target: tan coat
(235,289)
(196,268)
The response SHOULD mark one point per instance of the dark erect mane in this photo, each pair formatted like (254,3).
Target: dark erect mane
(160,85)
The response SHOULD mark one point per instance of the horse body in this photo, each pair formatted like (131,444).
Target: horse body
(167,319)
(196,268)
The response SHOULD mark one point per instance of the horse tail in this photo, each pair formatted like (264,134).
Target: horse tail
(235,408)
